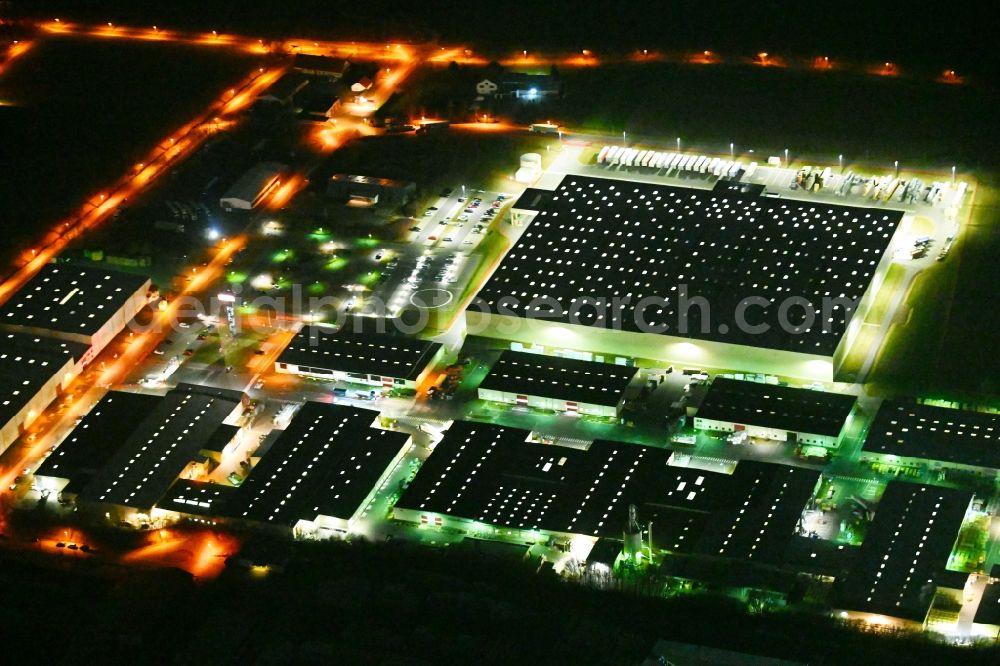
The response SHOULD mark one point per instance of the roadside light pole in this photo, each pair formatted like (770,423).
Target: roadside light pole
(731,155)
(624,139)
(895,165)
(786,157)
(678,144)
(840,162)
(953,174)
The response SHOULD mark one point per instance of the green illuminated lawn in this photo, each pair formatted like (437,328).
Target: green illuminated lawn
(369,278)
(282,256)
(336,264)
(880,308)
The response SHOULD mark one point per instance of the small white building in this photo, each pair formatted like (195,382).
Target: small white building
(253,186)
(487,88)
(530,170)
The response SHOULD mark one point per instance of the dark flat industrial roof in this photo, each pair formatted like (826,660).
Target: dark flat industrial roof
(765,505)
(27,362)
(559,378)
(70,299)
(906,545)
(364,353)
(601,238)
(780,407)
(160,446)
(904,428)
(325,463)
(220,438)
(96,438)
(492,474)
(989,606)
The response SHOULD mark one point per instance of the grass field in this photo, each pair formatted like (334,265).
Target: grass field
(816,115)
(945,345)
(883,300)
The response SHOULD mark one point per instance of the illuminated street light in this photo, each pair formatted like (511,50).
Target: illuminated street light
(953,174)
(896,166)
(731,155)
(624,139)
(840,161)
(678,144)
(786,156)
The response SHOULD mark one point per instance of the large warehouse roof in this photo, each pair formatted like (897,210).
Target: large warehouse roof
(96,438)
(326,463)
(70,299)
(162,444)
(492,474)
(910,430)
(989,605)
(764,508)
(905,548)
(779,407)
(607,239)
(364,353)
(559,378)
(27,362)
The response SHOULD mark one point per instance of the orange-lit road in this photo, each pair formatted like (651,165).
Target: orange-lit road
(170,151)
(14,51)
(358,50)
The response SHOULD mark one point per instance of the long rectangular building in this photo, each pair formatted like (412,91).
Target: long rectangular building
(765,507)
(662,272)
(488,480)
(33,370)
(907,433)
(906,547)
(164,445)
(87,449)
(773,412)
(559,384)
(376,359)
(320,473)
(86,305)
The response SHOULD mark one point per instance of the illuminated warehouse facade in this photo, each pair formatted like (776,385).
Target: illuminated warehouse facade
(664,252)
(779,413)
(384,360)
(909,434)
(33,370)
(85,305)
(558,384)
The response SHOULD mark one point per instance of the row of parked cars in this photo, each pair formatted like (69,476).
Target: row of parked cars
(666,161)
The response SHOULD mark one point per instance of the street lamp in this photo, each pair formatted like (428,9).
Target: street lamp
(731,155)
(786,156)
(895,165)
(953,174)
(840,162)
(624,139)
(678,144)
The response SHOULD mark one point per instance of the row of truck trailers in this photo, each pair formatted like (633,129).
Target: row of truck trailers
(651,159)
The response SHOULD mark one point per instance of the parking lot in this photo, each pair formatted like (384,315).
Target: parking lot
(458,219)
